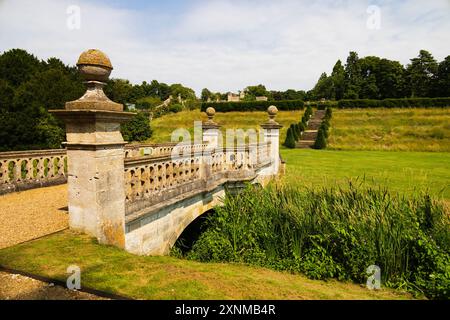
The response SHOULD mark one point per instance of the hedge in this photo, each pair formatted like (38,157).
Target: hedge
(285,105)
(395,103)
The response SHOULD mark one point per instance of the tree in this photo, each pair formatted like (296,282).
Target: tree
(338,79)
(206,94)
(352,76)
(421,74)
(18,66)
(324,88)
(442,83)
(390,79)
(119,90)
(6,96)
(257,91)
(290,141)
(177,90)
(137,129)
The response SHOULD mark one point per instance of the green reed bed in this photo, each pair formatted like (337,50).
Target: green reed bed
(334,233)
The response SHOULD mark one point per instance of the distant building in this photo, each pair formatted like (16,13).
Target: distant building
(262,98)
(233,97)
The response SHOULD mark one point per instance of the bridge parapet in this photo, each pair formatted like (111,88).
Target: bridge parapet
(21,170)
(153,179)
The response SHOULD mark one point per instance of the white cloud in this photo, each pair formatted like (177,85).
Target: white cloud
(225,44)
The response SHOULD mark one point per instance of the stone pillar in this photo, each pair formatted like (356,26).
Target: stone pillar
(211,130)
(95,152)
(272,134)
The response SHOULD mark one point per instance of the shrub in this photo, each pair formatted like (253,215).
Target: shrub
(137,129)
(321,140)
(294,132)
(290,140)
(175,108)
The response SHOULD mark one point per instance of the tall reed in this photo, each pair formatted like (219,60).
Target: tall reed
(334,233)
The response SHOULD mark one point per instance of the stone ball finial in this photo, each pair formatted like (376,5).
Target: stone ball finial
(272,111)
(210,112)
(94,65)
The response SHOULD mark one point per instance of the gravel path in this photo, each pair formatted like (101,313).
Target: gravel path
(18,287)
(31,214)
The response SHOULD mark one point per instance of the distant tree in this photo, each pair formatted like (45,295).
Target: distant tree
(338,79)
(119,90)
(137,129)
(442,82)
(257,91)
(390,79)
(352,76)
(18,66)
(324,88)
(184,92)
(206,94)
(421,73)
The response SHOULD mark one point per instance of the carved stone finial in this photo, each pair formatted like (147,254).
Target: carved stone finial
(95,67)
(210,124)
(271,123)
(272,111)
(210,112)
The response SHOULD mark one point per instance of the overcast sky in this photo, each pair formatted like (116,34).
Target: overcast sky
(226,45)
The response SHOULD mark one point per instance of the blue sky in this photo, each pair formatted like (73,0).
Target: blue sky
(226,45)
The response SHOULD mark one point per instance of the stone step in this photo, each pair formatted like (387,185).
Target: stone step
(305,144)
(309,135)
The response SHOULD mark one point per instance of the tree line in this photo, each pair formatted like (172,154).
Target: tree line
(365,78)
(377,78)
(29,87)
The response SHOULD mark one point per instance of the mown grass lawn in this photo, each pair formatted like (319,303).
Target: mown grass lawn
(404,172)
(116,271)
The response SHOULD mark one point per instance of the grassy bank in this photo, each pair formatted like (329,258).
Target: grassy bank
(116,271)
(391,129)
(334,233)
(404,172)
(164,126)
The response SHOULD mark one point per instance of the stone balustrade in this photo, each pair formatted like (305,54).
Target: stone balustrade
(30,169)
(22,170)
(149,180)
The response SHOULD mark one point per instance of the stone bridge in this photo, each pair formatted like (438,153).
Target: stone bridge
(137,197)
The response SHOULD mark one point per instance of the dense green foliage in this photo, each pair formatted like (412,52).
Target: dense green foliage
(29,87)
(137,129)
(334,233)
(395,103)
(253,105)
(376,78)
(290,139)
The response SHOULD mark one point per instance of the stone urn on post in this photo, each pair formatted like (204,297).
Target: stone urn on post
(95,153)
(271,130)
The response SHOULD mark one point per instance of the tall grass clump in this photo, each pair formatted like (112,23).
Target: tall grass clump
(334,233)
